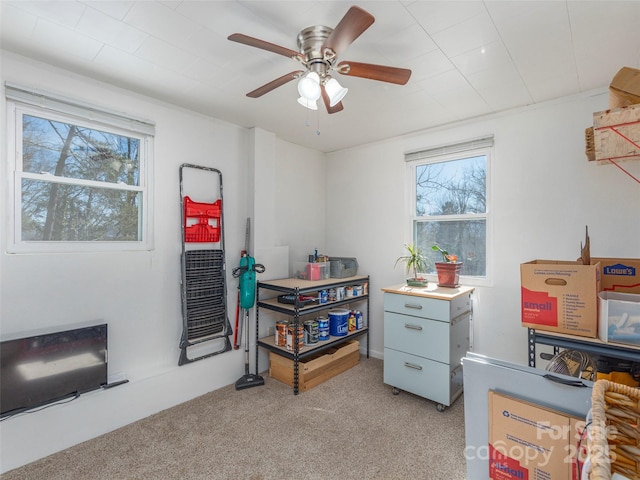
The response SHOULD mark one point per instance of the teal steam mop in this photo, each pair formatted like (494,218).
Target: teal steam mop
(246,299)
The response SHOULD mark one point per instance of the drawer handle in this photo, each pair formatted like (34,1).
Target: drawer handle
(412,327)
(416,306)
(412,365)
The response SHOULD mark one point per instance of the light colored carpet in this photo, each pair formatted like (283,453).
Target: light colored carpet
(350,427)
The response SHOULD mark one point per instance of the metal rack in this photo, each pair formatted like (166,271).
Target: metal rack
(294,286)
(203,282)
(585,344)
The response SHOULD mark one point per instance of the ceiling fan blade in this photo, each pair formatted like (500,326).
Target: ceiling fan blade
(354,22)
(338,107)
(271,47)
(272,85)
(381,73)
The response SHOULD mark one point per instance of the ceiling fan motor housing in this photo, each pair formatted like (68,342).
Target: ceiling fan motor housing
(310,42)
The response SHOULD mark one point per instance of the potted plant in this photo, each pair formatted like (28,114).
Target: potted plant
(448,269)
(416,262)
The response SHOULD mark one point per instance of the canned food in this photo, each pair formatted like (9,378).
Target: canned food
(310,332)
(340,293)
(348,292)
(332,294)
(292,334)
(323,296)
(323,328)
(281,334)
(357,290)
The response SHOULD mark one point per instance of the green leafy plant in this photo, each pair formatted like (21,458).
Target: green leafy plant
(414,260)
(446,257)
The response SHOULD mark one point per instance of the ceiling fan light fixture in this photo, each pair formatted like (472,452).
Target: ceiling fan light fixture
(310,104)
(309,86)
(335,91)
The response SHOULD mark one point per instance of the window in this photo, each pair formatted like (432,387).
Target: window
(80,176)
(450,203)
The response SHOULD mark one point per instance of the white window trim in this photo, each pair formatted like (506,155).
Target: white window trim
(79,110)
(53,107)
(471,148)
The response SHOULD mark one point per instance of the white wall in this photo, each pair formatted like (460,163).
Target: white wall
(544,193)
(289,207)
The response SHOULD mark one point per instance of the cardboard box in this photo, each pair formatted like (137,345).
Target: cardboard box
(560,296)
(529,441)
(318,368)
(624,89)
(619,274)
(619,320)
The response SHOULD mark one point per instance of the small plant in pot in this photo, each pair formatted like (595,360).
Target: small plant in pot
(448,269)
(416,262)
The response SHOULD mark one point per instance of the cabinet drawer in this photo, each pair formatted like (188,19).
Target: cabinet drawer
(426,307)
(418,336)
(440,341)
(433,380)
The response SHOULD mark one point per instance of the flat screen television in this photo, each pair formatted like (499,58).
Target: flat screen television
(42,369)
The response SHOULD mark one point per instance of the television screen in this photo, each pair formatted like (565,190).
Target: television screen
(42,369)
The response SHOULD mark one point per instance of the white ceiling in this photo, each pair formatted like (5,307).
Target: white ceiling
(468,58)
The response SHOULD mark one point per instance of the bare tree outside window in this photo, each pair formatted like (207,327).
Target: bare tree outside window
(450,210)
(78,183)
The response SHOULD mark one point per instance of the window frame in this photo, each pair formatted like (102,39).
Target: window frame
(15,244)
(444,156)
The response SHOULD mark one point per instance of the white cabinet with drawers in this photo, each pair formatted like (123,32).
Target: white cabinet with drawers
(426,334)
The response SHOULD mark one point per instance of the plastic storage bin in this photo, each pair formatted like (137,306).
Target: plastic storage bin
(342,267)
(311,271)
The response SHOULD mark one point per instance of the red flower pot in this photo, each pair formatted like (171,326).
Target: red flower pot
(448,273)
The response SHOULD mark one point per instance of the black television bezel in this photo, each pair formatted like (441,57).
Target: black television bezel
(96,382)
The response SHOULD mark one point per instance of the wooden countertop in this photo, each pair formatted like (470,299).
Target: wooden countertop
(432,290)
(301,284)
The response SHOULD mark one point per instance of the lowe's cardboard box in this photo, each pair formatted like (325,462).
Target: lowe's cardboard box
(560,296)
(531,442)
(619,274)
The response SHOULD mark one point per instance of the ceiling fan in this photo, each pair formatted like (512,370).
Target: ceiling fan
(319,47)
